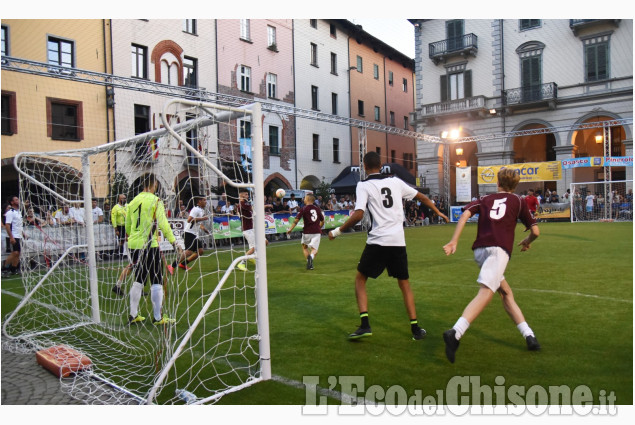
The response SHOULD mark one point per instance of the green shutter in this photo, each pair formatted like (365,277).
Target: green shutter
(591,63)
(602,61)
(467,83)
(444,88)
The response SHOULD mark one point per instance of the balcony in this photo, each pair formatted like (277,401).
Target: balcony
(464,46)
(542,95)
(578,24)
(469,107)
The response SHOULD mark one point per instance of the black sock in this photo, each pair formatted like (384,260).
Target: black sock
(174,264)
(364,316)
(414,326)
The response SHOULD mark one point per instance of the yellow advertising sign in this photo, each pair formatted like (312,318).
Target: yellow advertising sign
(529,172)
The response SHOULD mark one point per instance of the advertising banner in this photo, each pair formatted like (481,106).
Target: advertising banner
(598,161)
(529,172)
(463,184)
(455,214)
(554,210)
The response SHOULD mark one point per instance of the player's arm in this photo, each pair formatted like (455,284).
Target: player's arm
(355,218)
(532,236)
(113,217)
(100,219)
(450,247)
(427,202)
(295,223)
(7,227)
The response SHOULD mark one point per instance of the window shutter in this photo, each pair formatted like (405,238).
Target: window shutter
(467,83)
(536,79)
(444,88)
(602,62)
(591,63)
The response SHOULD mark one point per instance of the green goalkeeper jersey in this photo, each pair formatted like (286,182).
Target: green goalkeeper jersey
(144,210)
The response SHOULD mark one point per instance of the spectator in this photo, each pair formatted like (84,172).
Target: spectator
(183,212)
(63,216)
(293,204)
(98,213)
(554,197)
(227,208)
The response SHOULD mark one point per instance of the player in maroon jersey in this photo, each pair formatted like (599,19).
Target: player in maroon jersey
(312,231)
(492,249)
(245,211)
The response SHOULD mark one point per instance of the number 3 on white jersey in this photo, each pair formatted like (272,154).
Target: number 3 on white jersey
(498,209)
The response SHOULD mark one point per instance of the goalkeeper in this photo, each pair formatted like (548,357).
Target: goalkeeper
(145,213)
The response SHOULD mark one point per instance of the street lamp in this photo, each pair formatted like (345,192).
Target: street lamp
(459,151)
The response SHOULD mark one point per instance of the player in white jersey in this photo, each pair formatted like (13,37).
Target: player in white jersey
(193,229)
(385,247)
(13,226)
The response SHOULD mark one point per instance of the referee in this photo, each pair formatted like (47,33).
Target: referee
(118,220)
(145,214)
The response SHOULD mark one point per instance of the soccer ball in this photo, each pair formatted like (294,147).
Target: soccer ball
(280,193)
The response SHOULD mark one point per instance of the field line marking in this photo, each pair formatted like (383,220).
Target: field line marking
(552,291)
(342,397)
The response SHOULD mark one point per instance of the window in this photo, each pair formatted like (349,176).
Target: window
(190,73)
(454,34)
(333,31)
(314,98)
(334,103)
(531,78)
(141,125)
(245,129)
(405,122)
(408,161)
(271,37)
(393,154)
(377,113)
(360,108)
(360,64)
(456,85)
(274,144)
(392,118)
(5,40)
(404,85)
(376,71)
(64,119)
(61,52)
(316,147)
(139,61)
(189,25)
(390,78)
(191,136)
(596,58)
(9,113)
(526,24)
(336,150)
(245,32)
(272,84)
(314,54)
(333,63)
(313,23)
(245,78)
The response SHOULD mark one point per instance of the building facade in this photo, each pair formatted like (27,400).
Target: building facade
(502,77)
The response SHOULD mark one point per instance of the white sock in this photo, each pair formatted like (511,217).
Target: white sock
(156,295)
(118,284)
(312,256)
(525,330)
(135,296)
(460,327)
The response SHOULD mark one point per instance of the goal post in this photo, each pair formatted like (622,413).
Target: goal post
(605,201)
(220,341)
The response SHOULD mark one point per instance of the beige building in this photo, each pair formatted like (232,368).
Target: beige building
(42,113)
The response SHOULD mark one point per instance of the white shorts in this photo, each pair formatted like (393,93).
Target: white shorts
(312,240)
(250,237)
(493,262)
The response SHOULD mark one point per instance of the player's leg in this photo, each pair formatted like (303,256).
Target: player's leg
(122,277)
(313,244)
(371,264)
(139,259)
(156,287)
(251,242)
(514,312)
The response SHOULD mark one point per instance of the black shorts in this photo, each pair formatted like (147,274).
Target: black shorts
(191,242)
(16,247)
(122,233)
(376,258)
(147,264)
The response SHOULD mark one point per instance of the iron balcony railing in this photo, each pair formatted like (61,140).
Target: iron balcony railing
(451,45)
(454,106)
(528,94)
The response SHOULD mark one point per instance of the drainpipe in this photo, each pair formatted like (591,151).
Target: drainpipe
(295,103)
(503,73)
(386,108)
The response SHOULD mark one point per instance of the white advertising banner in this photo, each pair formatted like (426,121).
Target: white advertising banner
(463,184)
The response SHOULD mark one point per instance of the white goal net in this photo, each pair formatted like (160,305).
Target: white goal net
(77,275)
(602,201)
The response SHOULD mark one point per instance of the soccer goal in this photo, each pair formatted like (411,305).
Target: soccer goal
(602,201)
(72,263)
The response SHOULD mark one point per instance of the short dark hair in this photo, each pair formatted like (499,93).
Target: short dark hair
(149,180)
(10,199)
(372,160)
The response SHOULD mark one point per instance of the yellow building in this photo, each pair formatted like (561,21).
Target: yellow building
(51,110)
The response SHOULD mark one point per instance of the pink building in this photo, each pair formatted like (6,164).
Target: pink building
(255,61)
